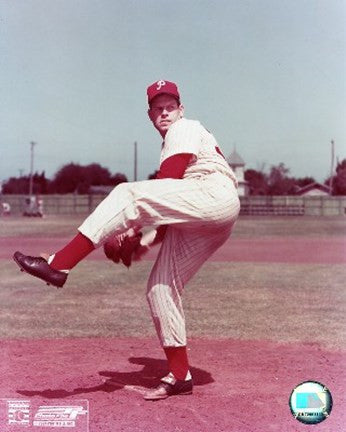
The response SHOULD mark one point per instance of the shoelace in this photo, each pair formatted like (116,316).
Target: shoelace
(37,260)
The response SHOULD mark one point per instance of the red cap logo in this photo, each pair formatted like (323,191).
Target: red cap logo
(160,87)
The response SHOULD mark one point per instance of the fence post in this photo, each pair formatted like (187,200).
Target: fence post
(89,202)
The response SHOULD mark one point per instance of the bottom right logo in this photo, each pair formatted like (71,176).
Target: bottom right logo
(311,402)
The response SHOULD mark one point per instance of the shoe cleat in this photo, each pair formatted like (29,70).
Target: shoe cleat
(38,267)
(164,390)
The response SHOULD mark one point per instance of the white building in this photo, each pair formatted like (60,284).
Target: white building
(237,164)
(314,189)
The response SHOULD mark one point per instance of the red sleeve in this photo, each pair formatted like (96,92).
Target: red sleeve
(174,166)
(219,151)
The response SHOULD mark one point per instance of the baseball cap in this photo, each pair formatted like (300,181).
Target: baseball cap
(162,87)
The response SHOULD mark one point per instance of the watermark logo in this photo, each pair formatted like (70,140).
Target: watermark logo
(36,416)
(58,416)
(311,402)
(18,412)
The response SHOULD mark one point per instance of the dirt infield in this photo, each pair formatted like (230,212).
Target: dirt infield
(241,386)
(290,250)
(266,313)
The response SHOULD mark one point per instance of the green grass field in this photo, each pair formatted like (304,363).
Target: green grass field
(275,301)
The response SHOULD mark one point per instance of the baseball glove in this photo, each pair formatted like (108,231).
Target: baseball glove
(111,248)
(124,249)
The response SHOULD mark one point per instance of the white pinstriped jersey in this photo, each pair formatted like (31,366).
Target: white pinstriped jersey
(199,209)
(189,136)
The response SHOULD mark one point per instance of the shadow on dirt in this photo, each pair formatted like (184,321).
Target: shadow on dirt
(148,377)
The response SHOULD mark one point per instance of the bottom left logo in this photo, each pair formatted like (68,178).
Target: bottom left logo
(34,415)
(18,412)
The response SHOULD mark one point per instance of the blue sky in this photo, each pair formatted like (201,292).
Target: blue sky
(266,76)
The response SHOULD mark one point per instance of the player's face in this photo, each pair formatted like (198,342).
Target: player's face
(164,111)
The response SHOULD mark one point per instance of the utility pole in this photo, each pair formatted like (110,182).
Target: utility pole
(135,162)
(331,168)
(32,145)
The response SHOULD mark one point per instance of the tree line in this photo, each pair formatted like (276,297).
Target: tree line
(76,178)
(279,182)
(70,178)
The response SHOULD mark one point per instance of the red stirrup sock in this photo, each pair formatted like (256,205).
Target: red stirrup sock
(78,248)
(177,361)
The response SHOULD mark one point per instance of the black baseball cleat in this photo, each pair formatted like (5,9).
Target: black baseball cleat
(164,390)
(38,266)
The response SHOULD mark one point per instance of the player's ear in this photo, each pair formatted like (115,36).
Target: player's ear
(181,109)
(150,114)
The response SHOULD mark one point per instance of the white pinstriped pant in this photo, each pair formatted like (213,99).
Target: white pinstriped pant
(200,213)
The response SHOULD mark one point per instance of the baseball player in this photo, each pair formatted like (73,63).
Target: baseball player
(192,206)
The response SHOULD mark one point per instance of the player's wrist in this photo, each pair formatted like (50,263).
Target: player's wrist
(148,239)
